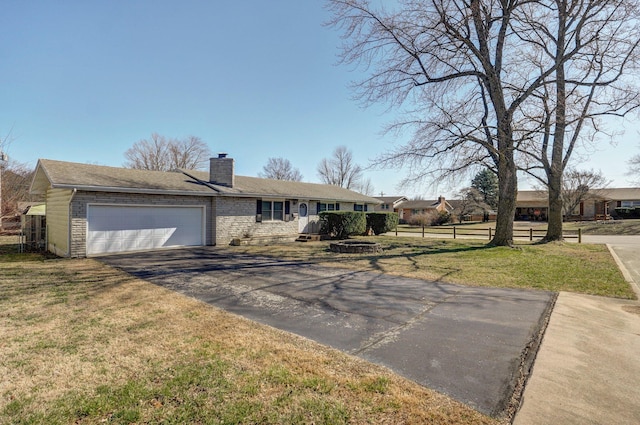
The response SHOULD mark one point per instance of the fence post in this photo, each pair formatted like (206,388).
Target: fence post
(423,230)
(489,232)
(579,234)
(454,232)
(530,234)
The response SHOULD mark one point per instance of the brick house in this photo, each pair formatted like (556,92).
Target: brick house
(599,204)
(408,208)
(94,209)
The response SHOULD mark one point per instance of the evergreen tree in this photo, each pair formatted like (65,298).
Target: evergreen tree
(486,182)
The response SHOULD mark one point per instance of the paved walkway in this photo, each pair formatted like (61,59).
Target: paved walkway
(588,366)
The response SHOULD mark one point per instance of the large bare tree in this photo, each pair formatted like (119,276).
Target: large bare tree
(280,169)
(592,48)
(341,169)
(160,153)
(457,66)
(473,73)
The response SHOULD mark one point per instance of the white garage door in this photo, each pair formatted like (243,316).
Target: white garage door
(115,228)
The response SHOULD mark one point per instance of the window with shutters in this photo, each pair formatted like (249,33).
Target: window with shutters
(272,210)
(328,206)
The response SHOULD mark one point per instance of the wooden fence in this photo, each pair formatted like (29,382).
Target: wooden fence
(456,231)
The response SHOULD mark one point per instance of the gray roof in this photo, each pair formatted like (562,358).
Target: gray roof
(614,194)
(419,204)
(390,199)
(70,175)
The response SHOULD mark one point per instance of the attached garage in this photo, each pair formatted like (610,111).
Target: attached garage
(120,228)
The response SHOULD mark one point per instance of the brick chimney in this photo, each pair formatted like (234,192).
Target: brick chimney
(221,170)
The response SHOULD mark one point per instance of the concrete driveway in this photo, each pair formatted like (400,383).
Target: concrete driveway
(469,343)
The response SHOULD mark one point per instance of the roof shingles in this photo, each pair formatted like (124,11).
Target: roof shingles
(98,177)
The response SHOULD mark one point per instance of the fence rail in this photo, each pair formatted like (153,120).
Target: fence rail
(456,231)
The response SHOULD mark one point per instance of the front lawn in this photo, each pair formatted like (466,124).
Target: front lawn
(83,343)
(572,267)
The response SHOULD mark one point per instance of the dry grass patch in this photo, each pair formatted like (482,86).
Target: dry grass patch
(84,343)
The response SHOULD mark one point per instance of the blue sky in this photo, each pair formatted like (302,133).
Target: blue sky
(83,81)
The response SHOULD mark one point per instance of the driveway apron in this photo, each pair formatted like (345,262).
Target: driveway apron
(469,343)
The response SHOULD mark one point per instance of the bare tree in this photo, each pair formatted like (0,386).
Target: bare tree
(15,181)
(475,72)
(340,169)
(159,153)
(365,187)
(472,201)
(634,169)
(280,169)
(579,186)
(592,49)
(459,65)
(190,153)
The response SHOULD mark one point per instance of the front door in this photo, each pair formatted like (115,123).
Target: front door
(303,217)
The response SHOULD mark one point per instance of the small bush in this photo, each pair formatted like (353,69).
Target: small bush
(342,224)
(381,222)
(430,218)
(443,217)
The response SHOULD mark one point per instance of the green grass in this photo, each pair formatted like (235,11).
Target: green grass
(572,267)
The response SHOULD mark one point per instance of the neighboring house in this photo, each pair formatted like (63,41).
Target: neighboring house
(93,209)
(532,205)
(409,208)
(390,203)
(601,204)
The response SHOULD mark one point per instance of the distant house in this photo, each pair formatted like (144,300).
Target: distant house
(407,209)
(93,209)
(600,204)
(390,203)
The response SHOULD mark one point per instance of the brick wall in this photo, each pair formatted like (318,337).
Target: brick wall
(236,218)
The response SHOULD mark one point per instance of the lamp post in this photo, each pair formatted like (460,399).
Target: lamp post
(3,161)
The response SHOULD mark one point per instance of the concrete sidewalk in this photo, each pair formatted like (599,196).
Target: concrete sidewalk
(588,367)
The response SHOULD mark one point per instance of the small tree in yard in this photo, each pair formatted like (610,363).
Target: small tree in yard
(472,201)
(579,186)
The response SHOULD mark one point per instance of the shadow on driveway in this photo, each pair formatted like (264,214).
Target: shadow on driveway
(472,344)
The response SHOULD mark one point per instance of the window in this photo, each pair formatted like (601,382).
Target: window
(271,210)
(360,207)
(329,206)
(630,204)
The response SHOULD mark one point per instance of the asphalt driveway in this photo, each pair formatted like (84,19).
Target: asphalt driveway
(469,343)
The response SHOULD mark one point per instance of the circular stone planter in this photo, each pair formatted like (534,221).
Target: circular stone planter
(356,247)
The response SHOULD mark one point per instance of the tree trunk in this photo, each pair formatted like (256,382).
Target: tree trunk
(554,228)
(556,170)
(507,192)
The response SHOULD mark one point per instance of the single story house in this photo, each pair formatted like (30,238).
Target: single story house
(408,208)
(599,205)
(390,203)
(94,209)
